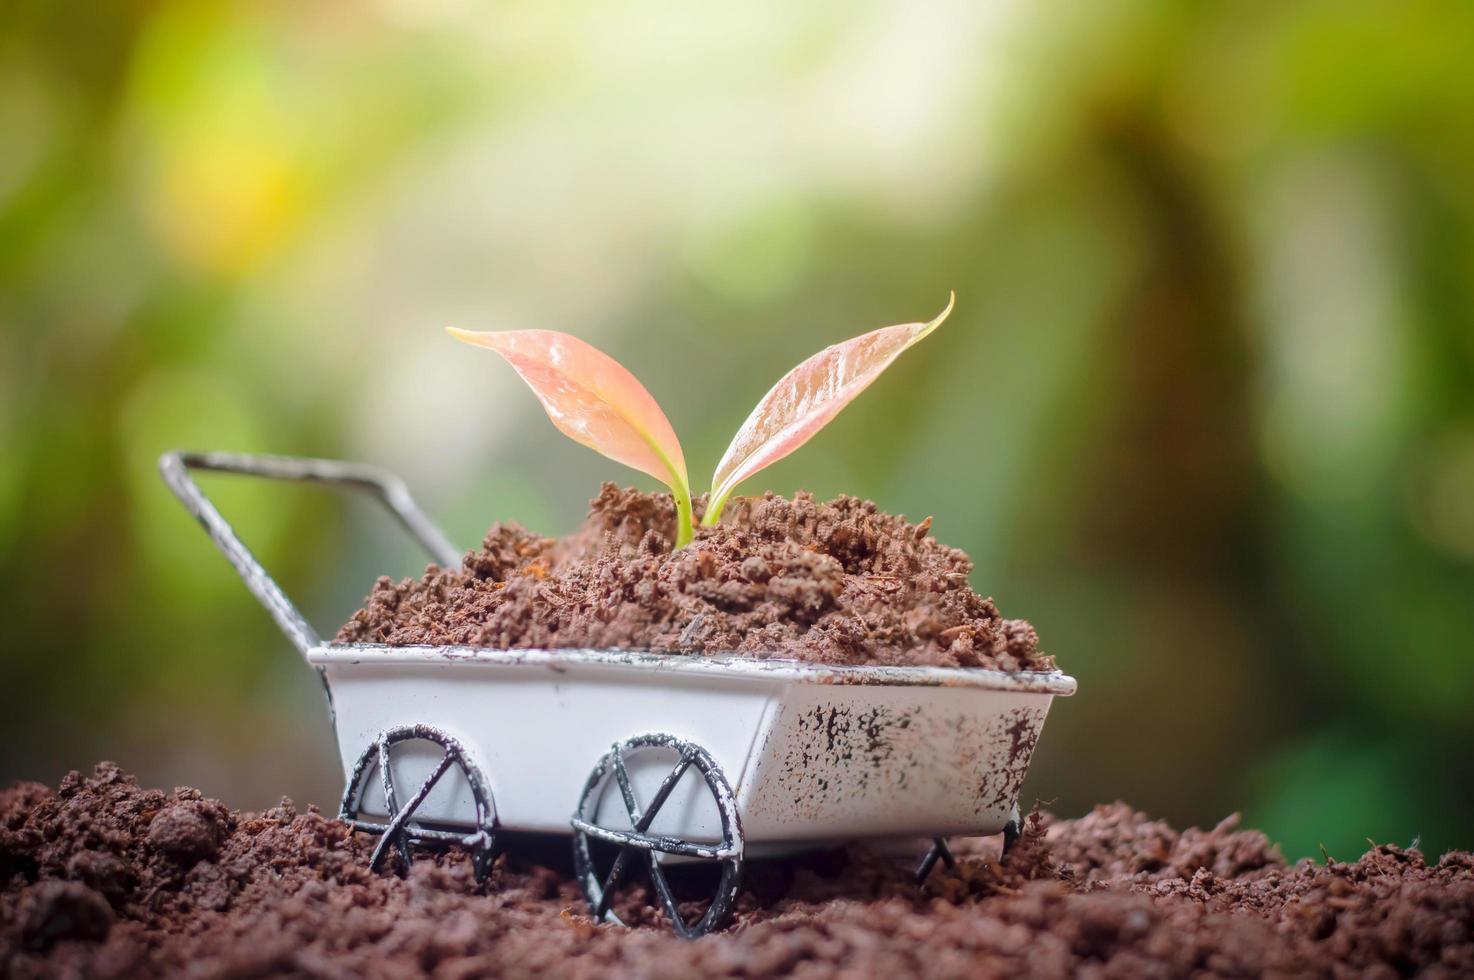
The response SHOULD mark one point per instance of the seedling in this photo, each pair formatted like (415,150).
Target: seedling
(594,401)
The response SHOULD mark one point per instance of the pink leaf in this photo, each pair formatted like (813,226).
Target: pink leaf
(806,398)
(592,399)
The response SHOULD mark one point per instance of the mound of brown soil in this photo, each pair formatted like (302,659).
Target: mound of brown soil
(836,582)
(102,878)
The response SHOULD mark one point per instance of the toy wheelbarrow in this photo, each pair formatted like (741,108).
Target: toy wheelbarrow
(658,759)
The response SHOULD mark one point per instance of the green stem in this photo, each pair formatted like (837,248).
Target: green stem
(713,513)
(683,514)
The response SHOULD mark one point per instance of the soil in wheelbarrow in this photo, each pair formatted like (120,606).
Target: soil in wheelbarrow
(102,878)
(837,583)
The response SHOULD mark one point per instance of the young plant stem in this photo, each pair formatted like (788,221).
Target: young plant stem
(713,511)
(683,515)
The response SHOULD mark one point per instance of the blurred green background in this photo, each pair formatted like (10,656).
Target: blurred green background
(1204,414)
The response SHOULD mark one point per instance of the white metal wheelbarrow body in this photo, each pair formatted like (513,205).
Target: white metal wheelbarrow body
(676,758)
(812,754)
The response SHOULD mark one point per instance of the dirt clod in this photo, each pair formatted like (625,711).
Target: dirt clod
(187,832)
(1112,894)
(50,911)
(837,582)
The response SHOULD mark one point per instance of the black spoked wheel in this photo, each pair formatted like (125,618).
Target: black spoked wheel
(405,748)
(635,844)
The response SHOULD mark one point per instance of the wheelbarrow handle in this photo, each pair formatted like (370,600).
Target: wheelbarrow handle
(389,489)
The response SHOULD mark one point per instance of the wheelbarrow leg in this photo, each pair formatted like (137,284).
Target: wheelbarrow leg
(940,851)
(1011,830)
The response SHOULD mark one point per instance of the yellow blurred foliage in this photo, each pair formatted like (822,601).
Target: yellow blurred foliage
(222,206)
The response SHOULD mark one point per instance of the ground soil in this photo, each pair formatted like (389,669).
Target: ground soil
(836,582)
(102,878)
